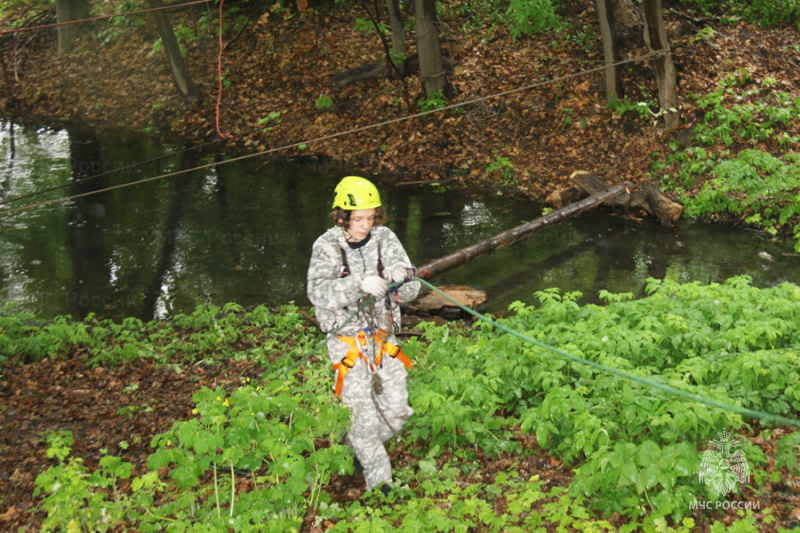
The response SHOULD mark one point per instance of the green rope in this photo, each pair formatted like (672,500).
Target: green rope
(625,375)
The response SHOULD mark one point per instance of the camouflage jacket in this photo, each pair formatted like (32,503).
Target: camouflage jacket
(335,297)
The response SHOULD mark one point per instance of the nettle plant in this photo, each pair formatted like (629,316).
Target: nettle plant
(210,333)
(734,113)
(263,440)
(635,450)
(260,457)
(757,187)
(242,432)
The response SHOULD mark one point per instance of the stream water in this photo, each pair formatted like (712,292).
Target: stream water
(242,232)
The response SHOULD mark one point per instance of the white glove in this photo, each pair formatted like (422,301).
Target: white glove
(375,286)
(399,272)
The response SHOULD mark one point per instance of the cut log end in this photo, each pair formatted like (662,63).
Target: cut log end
(563,197)
(646,198)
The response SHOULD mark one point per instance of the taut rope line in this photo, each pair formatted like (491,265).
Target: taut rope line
(351,131)
(103,17)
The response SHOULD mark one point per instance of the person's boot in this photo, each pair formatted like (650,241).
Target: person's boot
(358,468)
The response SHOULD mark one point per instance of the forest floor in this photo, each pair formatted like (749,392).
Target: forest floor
(135,401)
(279,68)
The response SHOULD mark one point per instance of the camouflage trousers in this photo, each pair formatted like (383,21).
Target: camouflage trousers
(377,413)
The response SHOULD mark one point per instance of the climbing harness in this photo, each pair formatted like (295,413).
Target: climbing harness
(361,344)
(361,347)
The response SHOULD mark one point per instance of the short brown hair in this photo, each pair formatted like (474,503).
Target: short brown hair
(341,217)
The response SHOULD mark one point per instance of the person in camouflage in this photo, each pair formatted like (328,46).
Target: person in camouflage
(352,261)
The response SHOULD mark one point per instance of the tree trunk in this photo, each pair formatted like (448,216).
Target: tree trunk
(507,237)
(666,76)
(431,66)
(67,11)
(398,32)
(179,71)
(605,11)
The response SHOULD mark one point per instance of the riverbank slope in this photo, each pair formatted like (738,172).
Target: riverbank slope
(277,74)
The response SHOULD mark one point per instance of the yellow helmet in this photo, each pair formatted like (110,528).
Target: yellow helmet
(354,193)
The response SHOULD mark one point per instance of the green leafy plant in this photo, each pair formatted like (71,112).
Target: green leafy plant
(767,13)
(436,100)
(532,16)
(705,33)
(396,57)
(227,79)
(754,185)
(625,104)
(635,449)
(74,498)
(586,38)
(487,15)
(750,122)
(367,26)
(258,457)
(324,102)
(267,435)
(270,121)
(788,452)
(208,333)
(116,27)
(503,168)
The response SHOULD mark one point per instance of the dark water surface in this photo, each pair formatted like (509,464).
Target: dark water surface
(242,232)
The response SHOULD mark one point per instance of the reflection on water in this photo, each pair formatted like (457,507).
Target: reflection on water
(242,232)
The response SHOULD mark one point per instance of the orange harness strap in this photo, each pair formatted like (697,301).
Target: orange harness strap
(354,353)
(393,351)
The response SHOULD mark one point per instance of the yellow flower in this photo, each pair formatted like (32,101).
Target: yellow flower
(225,403)
(219,399)
(169,443)
(194,411)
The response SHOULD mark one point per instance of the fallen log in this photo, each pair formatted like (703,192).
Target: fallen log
(382,70)
(507,237)
(432,301)
(646,198)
